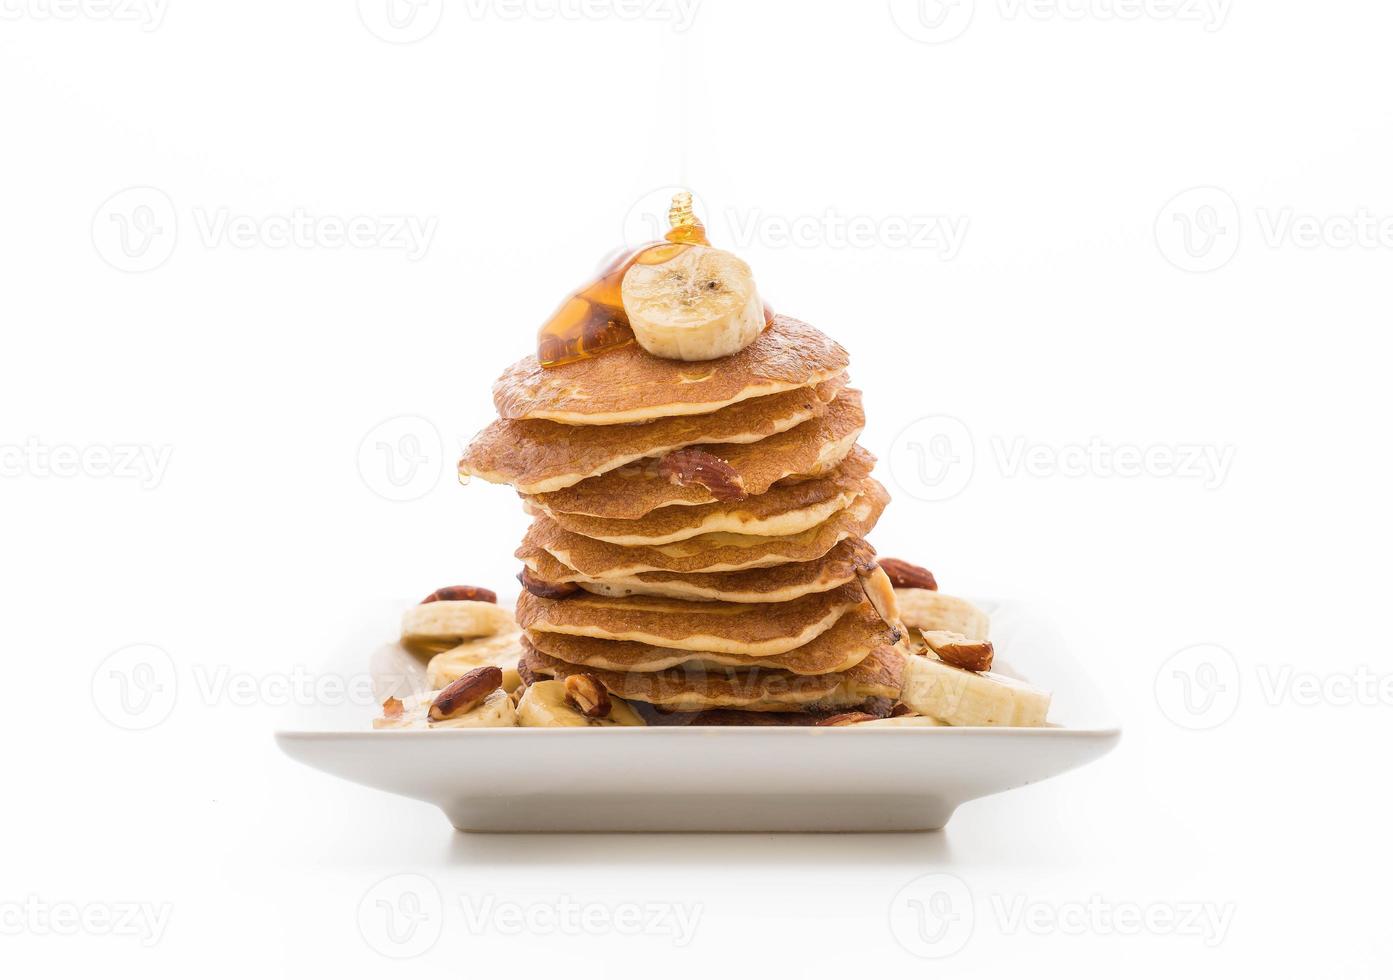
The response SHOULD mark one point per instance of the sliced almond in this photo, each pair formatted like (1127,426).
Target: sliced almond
(466,693)
(958,651)
(588,695)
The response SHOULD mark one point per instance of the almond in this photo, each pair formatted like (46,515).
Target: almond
(466,693)
(588,695)
(903,575)
(692,466)
(845,718)
(957,650)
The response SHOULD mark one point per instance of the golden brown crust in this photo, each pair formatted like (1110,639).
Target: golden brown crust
(854,637)
(674,522)
(754,630)
(630,384)
(777,584)
(694,686)
(538,456)
(708,552)
(815,447)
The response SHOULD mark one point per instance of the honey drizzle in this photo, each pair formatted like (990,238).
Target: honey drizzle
(592,320)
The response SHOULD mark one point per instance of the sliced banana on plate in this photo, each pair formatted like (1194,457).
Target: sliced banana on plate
(434,627)
(698,304)
(926,609)
(903,721)
(545,705)
(502,651)
(960,697)
(494,711)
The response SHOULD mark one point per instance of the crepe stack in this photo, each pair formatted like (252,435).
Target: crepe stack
(698,541)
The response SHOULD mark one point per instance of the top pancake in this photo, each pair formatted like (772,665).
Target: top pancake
(538,456)
(631,385)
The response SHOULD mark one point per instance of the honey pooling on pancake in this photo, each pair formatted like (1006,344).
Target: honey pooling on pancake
(593,320)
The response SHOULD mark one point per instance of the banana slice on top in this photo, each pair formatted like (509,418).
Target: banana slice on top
(545,705)
(699,304)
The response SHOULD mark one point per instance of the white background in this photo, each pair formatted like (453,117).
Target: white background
(1085,305)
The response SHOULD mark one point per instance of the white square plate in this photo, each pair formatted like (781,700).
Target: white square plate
(712,779)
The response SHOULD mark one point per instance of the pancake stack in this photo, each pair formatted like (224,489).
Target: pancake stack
(698,542)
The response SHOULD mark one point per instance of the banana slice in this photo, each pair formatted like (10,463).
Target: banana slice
(960,697)
(926,609)
(699,304)
(434,627)
(502,651)
(495,711)
(544,705)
